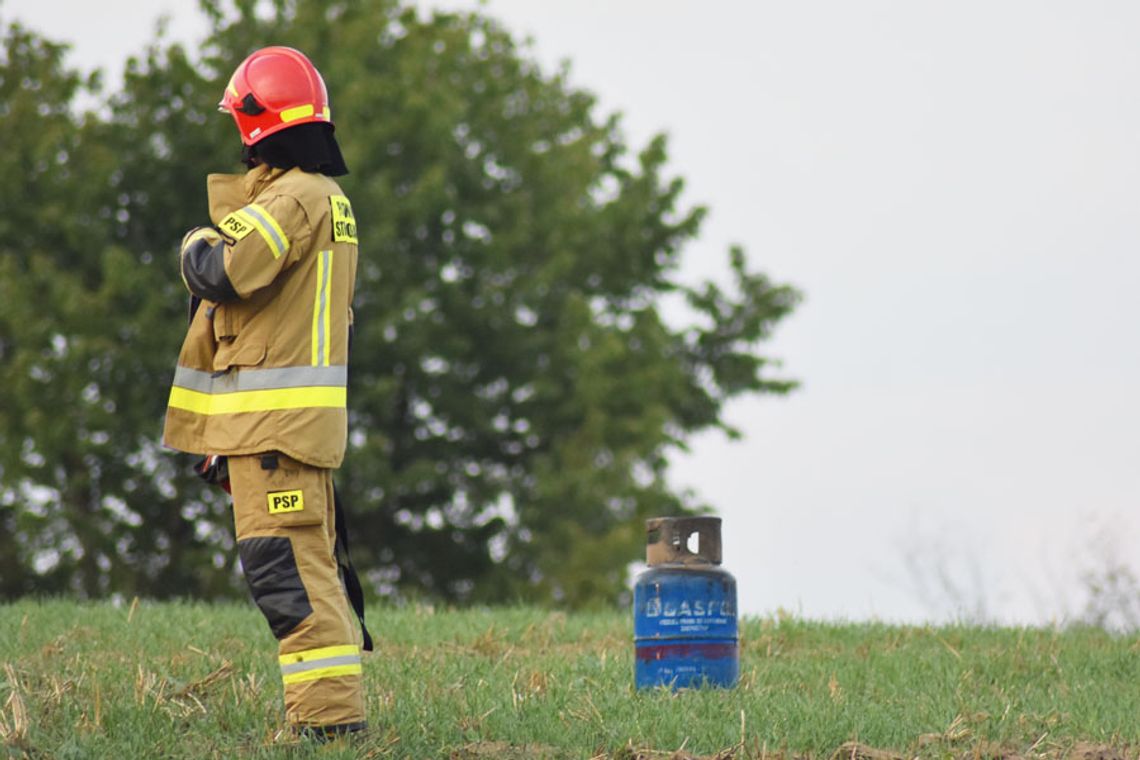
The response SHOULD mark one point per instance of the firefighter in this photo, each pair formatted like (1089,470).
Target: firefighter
(261,379)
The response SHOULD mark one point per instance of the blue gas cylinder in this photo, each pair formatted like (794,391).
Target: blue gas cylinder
(684,608)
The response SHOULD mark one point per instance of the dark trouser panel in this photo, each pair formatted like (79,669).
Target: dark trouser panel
(275,582)
(286,531)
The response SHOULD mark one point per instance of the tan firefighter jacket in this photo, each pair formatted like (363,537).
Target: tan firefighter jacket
(264,364)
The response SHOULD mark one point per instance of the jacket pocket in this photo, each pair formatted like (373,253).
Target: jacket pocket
(225,323)
(295,494)
(238,352)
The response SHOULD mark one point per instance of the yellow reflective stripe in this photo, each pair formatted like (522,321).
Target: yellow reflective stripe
(318,654)
(313,675)
(316,338)
(297,112)
(257,401)
(268,228)
(327,114)
(257,379)
(327,321)
(321,309)
(297,667)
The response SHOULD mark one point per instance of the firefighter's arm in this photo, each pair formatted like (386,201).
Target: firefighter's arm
(261,241)
(203,265)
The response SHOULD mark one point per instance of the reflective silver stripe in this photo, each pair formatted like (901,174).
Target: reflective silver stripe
(325,662)
(323,307)
(260,379)
(269,227)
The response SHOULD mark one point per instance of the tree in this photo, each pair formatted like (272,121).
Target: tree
(88,316)
(514,390)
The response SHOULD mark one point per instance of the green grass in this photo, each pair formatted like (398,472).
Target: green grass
(200,680)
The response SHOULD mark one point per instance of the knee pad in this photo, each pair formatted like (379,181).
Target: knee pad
(271,571)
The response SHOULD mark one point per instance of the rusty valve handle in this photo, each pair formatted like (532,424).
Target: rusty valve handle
(667,540)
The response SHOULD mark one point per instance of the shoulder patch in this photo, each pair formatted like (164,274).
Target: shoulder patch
(254,217)
(236,226)
(343,221)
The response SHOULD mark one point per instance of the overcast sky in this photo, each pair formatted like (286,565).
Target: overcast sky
(955,187)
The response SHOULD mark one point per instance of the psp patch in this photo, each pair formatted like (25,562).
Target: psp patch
(343,221)
(236,226)
(281,502)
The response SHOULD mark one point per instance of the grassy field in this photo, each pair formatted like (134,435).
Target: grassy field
(200,681)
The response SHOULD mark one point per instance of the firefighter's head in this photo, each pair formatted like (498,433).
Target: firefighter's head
(280,104)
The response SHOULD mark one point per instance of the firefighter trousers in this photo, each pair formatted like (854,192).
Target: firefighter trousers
(286,537)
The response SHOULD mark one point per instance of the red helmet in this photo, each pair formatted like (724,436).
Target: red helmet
(273,89)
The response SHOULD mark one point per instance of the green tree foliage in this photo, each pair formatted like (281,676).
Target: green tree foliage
(88,315)
(515,389)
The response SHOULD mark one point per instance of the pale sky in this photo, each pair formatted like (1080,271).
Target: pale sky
(954,187)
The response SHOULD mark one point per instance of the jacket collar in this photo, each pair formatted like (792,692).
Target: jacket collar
(229,192)
(258,178)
